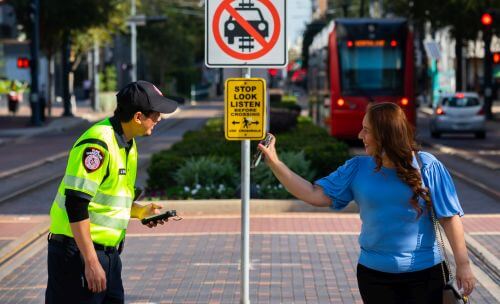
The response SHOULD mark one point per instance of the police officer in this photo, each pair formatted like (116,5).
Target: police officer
(95,200)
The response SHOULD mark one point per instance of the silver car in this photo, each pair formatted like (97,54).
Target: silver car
(461,112)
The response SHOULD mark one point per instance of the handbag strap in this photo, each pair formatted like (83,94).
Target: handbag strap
(435,223)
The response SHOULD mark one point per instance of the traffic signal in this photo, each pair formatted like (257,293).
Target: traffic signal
(496,58)
(23,63)
(486,19)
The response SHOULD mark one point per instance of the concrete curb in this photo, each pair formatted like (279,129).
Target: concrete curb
(483,254)
(233,206)
(32,165)
(9,251)
(61,124)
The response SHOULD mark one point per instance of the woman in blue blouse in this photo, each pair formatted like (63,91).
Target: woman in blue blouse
(399,261)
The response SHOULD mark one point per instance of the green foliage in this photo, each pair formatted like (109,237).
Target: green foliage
(76,17)
(207,142)
(12,85)
(206,177)
(209,170)
(283,118)
(172,49)
(269,186)
(463,16)
(288,98)
(197,166)
(108,79)
(325,152)
(327,156)
(162,169)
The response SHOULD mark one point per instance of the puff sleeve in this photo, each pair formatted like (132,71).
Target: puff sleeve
(337,185)
(442,190)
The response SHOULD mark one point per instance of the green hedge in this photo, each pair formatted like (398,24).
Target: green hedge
(307,149)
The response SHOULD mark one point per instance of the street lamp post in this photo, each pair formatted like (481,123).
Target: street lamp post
(134,21)
(133,43)
(34,49)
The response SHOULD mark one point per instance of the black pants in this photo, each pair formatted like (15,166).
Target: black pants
(419,287)
(67,282)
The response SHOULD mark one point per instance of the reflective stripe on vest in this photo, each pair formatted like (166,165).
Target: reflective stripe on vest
(80,183)
(106,221)
(100,219)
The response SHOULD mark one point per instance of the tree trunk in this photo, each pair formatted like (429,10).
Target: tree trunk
(66,65)
(458,63)
(50,84)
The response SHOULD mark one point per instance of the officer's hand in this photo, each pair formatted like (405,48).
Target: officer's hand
(153,209)
(96,277)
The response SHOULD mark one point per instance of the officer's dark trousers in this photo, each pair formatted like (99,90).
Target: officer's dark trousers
(419,287)
(67,283)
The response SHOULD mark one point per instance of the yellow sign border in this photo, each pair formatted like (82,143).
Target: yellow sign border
(263,114)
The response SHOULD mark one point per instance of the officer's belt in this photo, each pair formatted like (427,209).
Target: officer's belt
(61,238)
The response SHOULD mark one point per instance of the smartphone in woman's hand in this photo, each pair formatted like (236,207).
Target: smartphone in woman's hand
(258,155)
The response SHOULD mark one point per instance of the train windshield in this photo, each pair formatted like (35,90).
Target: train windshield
(371,67)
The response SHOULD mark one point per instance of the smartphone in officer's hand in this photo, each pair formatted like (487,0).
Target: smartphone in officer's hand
(162,216)
(258,154)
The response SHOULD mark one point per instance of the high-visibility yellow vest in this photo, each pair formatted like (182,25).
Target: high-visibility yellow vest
(102,169)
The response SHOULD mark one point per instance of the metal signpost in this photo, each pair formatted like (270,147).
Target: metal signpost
(245,33)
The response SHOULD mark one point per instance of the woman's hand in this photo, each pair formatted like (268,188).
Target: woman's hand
(465,278)
(269,153)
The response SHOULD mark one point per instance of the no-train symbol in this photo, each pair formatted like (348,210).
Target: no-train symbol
(243,33)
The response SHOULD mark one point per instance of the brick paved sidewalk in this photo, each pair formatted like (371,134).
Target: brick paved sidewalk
(296,258)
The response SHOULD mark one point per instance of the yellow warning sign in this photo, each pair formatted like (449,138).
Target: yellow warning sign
(245,108)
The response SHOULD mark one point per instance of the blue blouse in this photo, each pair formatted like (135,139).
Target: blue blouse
(392,238)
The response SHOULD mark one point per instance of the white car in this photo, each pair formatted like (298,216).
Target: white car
(461,112)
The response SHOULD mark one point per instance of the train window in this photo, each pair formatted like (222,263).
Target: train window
(378,70)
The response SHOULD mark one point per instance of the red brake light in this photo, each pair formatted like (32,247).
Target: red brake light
(486,19)
(23,63)
(496,58)
(439,111)
(480,112)
(350,43)
(394,43)
(404,101)
(459,95)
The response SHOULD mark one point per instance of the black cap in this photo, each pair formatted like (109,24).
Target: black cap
(146,97)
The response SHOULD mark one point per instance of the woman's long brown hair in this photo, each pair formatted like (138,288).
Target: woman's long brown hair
(395,137)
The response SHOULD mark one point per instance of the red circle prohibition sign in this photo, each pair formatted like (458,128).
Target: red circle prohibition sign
(266,46)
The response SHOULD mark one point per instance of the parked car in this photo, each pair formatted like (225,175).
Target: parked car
(461,112)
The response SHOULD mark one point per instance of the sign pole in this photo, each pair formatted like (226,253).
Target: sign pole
(245,217)
(133,43)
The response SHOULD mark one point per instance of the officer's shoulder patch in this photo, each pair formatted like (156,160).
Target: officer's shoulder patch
(92,159)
